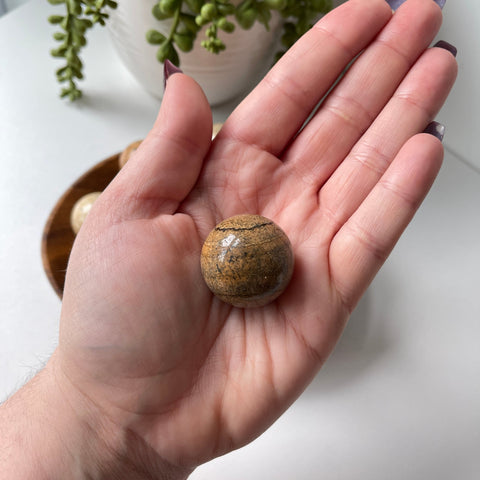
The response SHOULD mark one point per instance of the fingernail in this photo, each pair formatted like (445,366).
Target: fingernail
(394,4)
(447,46)
(436,129)
(168,70)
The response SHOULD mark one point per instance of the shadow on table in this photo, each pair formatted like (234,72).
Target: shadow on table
(363,343)
(128,107)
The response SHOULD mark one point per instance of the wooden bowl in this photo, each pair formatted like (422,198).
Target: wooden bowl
(58,236)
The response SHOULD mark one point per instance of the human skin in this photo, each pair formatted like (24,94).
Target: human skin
(153,375)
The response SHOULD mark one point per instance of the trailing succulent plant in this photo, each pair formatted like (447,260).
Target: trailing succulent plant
(187,18)
(79,16)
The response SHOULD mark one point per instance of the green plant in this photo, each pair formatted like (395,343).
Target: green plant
(187,18)
(80,15)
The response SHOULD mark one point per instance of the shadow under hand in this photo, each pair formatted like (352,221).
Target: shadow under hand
(132,107)
(362,344)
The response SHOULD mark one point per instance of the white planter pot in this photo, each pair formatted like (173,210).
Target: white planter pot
(248,55)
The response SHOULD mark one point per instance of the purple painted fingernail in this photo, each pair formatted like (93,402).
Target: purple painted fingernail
(447,46)
(394,4)
(168,70)
(436,129)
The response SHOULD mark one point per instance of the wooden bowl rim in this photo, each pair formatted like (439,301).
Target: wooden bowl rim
(54,217)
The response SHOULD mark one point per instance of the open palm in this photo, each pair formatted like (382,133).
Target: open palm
(143,338)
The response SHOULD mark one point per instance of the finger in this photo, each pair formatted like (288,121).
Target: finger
(363,244)
(413,106)
(273,113)
(368,85)
(166,166)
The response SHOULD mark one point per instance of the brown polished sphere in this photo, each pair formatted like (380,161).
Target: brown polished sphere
(247,261)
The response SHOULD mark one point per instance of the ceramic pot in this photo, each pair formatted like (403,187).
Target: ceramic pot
(248,55)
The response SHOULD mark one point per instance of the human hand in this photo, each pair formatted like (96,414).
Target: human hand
(144,346)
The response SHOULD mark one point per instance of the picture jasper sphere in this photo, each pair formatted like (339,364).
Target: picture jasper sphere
(247,261)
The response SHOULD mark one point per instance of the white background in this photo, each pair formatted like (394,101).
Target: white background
(400,396)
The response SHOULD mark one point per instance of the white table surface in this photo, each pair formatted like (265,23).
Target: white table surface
(400,396)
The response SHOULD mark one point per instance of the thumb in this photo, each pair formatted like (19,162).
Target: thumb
(165,167)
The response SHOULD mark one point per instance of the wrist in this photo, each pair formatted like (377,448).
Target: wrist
(50,431)
(31,437)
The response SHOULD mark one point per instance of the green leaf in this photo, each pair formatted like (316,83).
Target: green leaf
(214,45)
(276,4)
(264,15)
(289,36)
(321,5)
(71,92)
(54,19)
(225,9)
(167,50)
(76,72)
(65,22)
(189,22)
(158,14)
(79,40)
(200,21)
(194,5)
(208,12)
(183,42)
(74,7)
(278,56)
(61,70)
(225,25)
(245,5)
(72,57)
(169,7)
(59,36)
(154,37)
(211,31)
(82,25)
(174,58)
(59,52)
(246,18)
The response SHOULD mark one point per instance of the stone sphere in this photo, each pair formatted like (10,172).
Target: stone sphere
(216,128)
(81,209)
(247,261)
(127,153)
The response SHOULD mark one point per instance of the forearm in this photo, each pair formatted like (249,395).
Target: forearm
(30,441)
(42,437)
(45,437)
